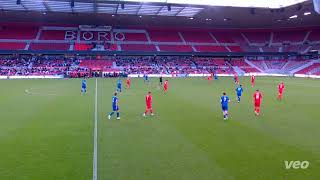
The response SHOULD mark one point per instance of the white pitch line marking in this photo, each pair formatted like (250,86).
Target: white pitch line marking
(95,136)
(31,91)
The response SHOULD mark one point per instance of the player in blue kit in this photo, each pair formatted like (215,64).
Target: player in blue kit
(215,76)
(84,86)
(115,107)
(224,105)
(119,85)
(146,78)
(239,92)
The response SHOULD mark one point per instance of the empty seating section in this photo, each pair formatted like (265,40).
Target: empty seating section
(244,66)
(310,69)
(19,33)
(293,64)
(275,64)
(49,46)
(223,37)
(138,47)
(175,48)
(271,49)
(135,37)
(250,48)
(197,37)
(258,63)
(52,35)
(289,36)
(295,48)
(314,35)
(258,37)
(235,48)
(210,48)
(315,47)
(164,36)
(166,39)
(12,46)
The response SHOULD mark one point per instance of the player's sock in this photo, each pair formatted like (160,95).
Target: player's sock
(111,113)
(118,115)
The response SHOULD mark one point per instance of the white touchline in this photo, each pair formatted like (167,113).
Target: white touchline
(95,136)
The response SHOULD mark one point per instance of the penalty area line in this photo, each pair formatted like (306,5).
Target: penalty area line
(95,135)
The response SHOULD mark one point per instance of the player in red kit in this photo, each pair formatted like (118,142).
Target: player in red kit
(210,77)
(280,90)
(253,78)
(236,78)
(128,83)
(148,104)
(257,98)
(165,86)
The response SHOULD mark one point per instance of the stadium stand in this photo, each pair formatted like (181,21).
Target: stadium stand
(164,36)
(80,66)
(39,37)
(49,46)
(12,46)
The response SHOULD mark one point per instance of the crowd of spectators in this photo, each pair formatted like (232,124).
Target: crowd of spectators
(24,65)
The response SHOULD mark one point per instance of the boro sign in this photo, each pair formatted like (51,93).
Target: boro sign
(94,36)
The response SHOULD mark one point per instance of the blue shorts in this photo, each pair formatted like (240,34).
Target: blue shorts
(115,108)
(224,108)
(239,95)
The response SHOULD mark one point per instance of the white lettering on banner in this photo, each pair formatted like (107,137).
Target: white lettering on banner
(296,164)
(102,36)
(87,36)
(119,36)
(91,36)
(70,35)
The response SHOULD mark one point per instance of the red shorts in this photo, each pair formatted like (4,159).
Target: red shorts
(165,88)
(257,104)
(149,106)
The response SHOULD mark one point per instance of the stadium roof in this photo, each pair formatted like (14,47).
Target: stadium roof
(155,14)
(100,6)
(187,8)
(231,3)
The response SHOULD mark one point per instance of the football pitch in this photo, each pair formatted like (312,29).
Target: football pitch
(47,131)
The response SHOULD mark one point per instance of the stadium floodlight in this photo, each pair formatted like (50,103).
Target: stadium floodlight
(307,13)
(293,17)
(276,4)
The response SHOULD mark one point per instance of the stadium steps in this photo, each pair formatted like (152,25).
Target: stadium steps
(238,70)
(264,65)
(284,66)
(302,67)
(253,65)
(306,37)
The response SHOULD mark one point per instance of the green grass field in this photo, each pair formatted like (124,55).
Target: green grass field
(46,131)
